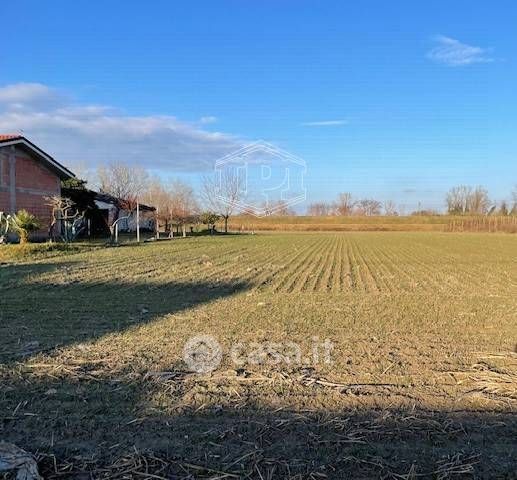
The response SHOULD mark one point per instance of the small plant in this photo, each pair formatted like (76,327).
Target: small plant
(24,223)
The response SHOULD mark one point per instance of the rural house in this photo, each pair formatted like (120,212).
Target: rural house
(112,208)
(27,175)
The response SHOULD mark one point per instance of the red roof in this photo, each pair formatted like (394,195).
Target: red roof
(9,136)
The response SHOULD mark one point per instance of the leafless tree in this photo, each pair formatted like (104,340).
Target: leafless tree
(221,194)
(183,205)
(514,201)
(319,209)
(279,208)
(457,199)
(478,201)
(503,208)
(126,183)
(345,204)
(464,199)
(158,196)
(65,213)
(390,209)
(368,207)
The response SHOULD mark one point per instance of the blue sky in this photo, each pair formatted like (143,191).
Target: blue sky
(394,100)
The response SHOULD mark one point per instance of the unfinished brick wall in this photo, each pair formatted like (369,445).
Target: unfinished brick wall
(32,182)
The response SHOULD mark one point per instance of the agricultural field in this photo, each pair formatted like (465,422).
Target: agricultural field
(418,377)
(356,223)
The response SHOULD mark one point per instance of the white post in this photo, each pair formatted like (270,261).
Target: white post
(138,221)
(116,232)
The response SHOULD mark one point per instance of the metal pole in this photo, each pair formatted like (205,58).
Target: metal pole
(138,222)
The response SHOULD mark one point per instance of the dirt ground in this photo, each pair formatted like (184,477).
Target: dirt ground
(419,379)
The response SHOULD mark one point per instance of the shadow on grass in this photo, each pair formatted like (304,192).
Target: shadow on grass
(97,429)
(37,317)
(85,425)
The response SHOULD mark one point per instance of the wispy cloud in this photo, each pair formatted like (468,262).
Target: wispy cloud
(451,52)
(208,119)
(91,134)
(324,123)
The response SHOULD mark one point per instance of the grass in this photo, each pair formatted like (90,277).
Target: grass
(423,378)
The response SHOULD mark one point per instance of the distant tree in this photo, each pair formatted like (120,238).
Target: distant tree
(319,209)
(457,200)
(209,219)
(279,208)
(158,196)
(126,183)
(424,212)
(221,194)
(390,208)
(368,207)
(503,208)
(514,201)
(183,205)
(478,201)
(345,204)
(464,199)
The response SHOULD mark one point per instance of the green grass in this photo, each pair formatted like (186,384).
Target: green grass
(422,378)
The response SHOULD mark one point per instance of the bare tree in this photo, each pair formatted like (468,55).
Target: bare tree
(390,209)
(503,209)
(319,209)
(345,204)
(457,199)
(221,194)
(514,201)
(66,215)
(183,205)
(158,196)
(368,207)
(478,202)
(126,183)
(278,208)
(464,199)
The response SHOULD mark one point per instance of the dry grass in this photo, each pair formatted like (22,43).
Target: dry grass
(423,375)
(413,223)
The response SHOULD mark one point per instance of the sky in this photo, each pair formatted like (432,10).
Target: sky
(393,100)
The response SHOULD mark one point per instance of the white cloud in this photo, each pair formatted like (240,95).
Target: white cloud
(28,96)
(92,134)
(208,119)
(451,52)
(325,123)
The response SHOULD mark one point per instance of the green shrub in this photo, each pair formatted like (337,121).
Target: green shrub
(24,223)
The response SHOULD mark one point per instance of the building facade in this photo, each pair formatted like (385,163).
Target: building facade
(27,176)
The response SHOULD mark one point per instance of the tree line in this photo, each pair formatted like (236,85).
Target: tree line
(459,200)
(178,204)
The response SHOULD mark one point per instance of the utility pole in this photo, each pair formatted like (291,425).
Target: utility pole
(137,221)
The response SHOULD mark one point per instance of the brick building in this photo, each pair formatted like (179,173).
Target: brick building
(27,175)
